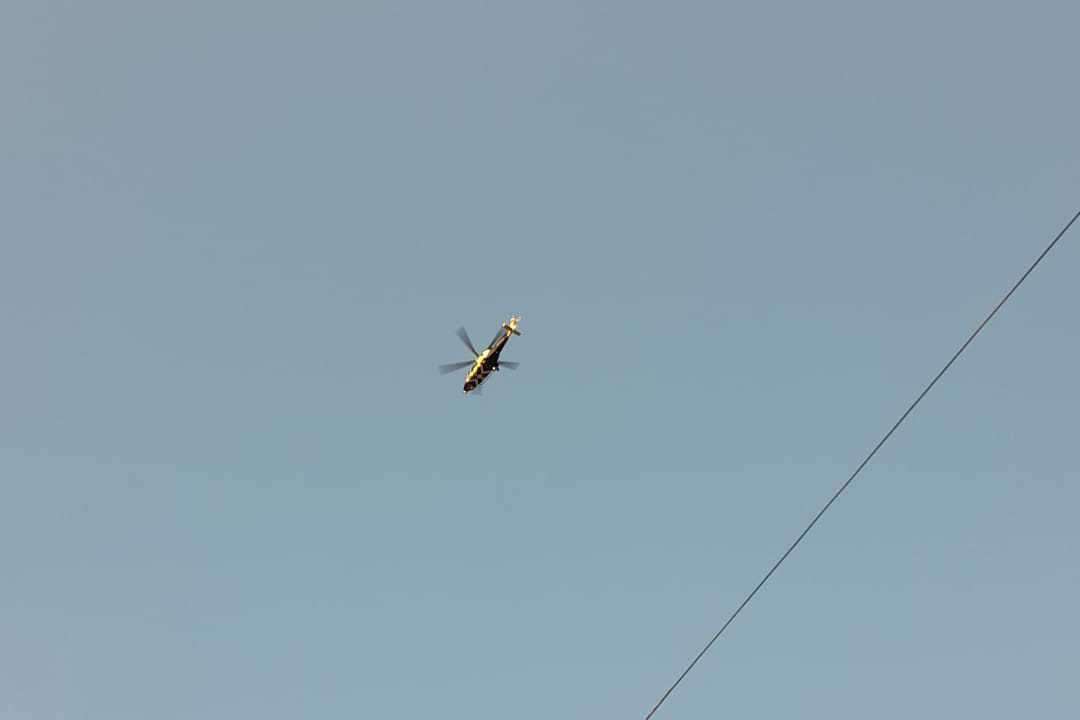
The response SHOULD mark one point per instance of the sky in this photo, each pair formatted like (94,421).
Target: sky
(236,241)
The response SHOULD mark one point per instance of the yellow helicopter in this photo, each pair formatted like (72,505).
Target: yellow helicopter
(486,362)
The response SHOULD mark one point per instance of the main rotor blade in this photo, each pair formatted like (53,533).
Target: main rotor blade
(465,339)
(454,367)
(509,365)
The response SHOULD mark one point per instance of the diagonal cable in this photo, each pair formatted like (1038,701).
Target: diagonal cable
(863,464)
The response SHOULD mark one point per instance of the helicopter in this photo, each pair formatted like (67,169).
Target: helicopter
(486,362)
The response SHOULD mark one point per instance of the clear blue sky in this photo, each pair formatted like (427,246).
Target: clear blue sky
(237,238)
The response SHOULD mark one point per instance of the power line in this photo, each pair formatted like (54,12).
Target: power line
(863,464)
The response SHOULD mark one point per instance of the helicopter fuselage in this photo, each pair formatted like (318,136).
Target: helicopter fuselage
(487,361)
